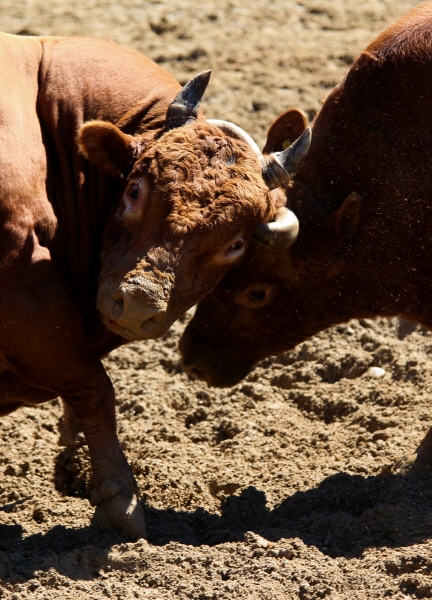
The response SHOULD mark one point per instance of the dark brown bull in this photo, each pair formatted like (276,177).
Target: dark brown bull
(172,205)
(363,198)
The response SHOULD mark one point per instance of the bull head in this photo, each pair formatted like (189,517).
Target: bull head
(194,194)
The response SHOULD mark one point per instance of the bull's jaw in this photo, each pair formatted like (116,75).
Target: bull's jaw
(222,378)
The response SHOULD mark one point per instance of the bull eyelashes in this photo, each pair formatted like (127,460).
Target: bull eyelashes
(183,110)
(236,249)
(279,167)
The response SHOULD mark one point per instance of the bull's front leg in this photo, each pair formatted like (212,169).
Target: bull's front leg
(44,347)
(115,490)
(90,408)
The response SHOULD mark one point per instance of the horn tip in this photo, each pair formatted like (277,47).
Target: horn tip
(203,77)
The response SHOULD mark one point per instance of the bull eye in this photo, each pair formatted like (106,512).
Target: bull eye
(257,295)
(133,191)
(236,249)
(135,196)
(237,245)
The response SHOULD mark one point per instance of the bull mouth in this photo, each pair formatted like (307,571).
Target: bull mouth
(118,329)
(149,330)
(222,377)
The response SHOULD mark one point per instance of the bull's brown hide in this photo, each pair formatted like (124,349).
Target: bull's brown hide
(363,199)
(164,247)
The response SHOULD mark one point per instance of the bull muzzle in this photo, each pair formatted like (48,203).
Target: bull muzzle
(138,308)
(141,315)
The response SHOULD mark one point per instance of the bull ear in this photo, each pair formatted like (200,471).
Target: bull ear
(107,147)
(286,128)
(345,220)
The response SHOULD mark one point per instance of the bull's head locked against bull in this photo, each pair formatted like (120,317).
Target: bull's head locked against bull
(208,183)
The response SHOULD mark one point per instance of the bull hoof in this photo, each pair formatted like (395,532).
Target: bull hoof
(418,463)
(121,512)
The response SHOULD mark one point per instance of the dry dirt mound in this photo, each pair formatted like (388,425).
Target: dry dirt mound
(281,487)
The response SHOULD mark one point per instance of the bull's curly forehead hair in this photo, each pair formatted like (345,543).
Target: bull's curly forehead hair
(206,176)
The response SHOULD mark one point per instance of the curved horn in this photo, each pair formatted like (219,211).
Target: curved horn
(183,110)
(236,132)
(279,167)
(281,233)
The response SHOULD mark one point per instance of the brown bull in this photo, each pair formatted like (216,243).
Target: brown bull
(166,214)
(363,199)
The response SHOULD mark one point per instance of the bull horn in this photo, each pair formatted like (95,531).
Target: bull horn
(234,131)
(183,110)
(281,233)
(279,167)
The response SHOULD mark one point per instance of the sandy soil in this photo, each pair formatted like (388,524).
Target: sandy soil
(281,487)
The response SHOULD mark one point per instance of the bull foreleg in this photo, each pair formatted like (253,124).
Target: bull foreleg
(50,351)
(115,491)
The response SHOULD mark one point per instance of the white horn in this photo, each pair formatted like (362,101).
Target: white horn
(281,233)
(236,132)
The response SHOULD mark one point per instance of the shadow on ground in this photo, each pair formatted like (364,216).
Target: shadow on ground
(342,516)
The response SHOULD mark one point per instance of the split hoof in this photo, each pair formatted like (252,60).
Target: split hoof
(123,513)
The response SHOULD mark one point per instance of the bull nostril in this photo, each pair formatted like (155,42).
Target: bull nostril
(117,307)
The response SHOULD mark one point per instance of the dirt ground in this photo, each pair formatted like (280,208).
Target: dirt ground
(281,487)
